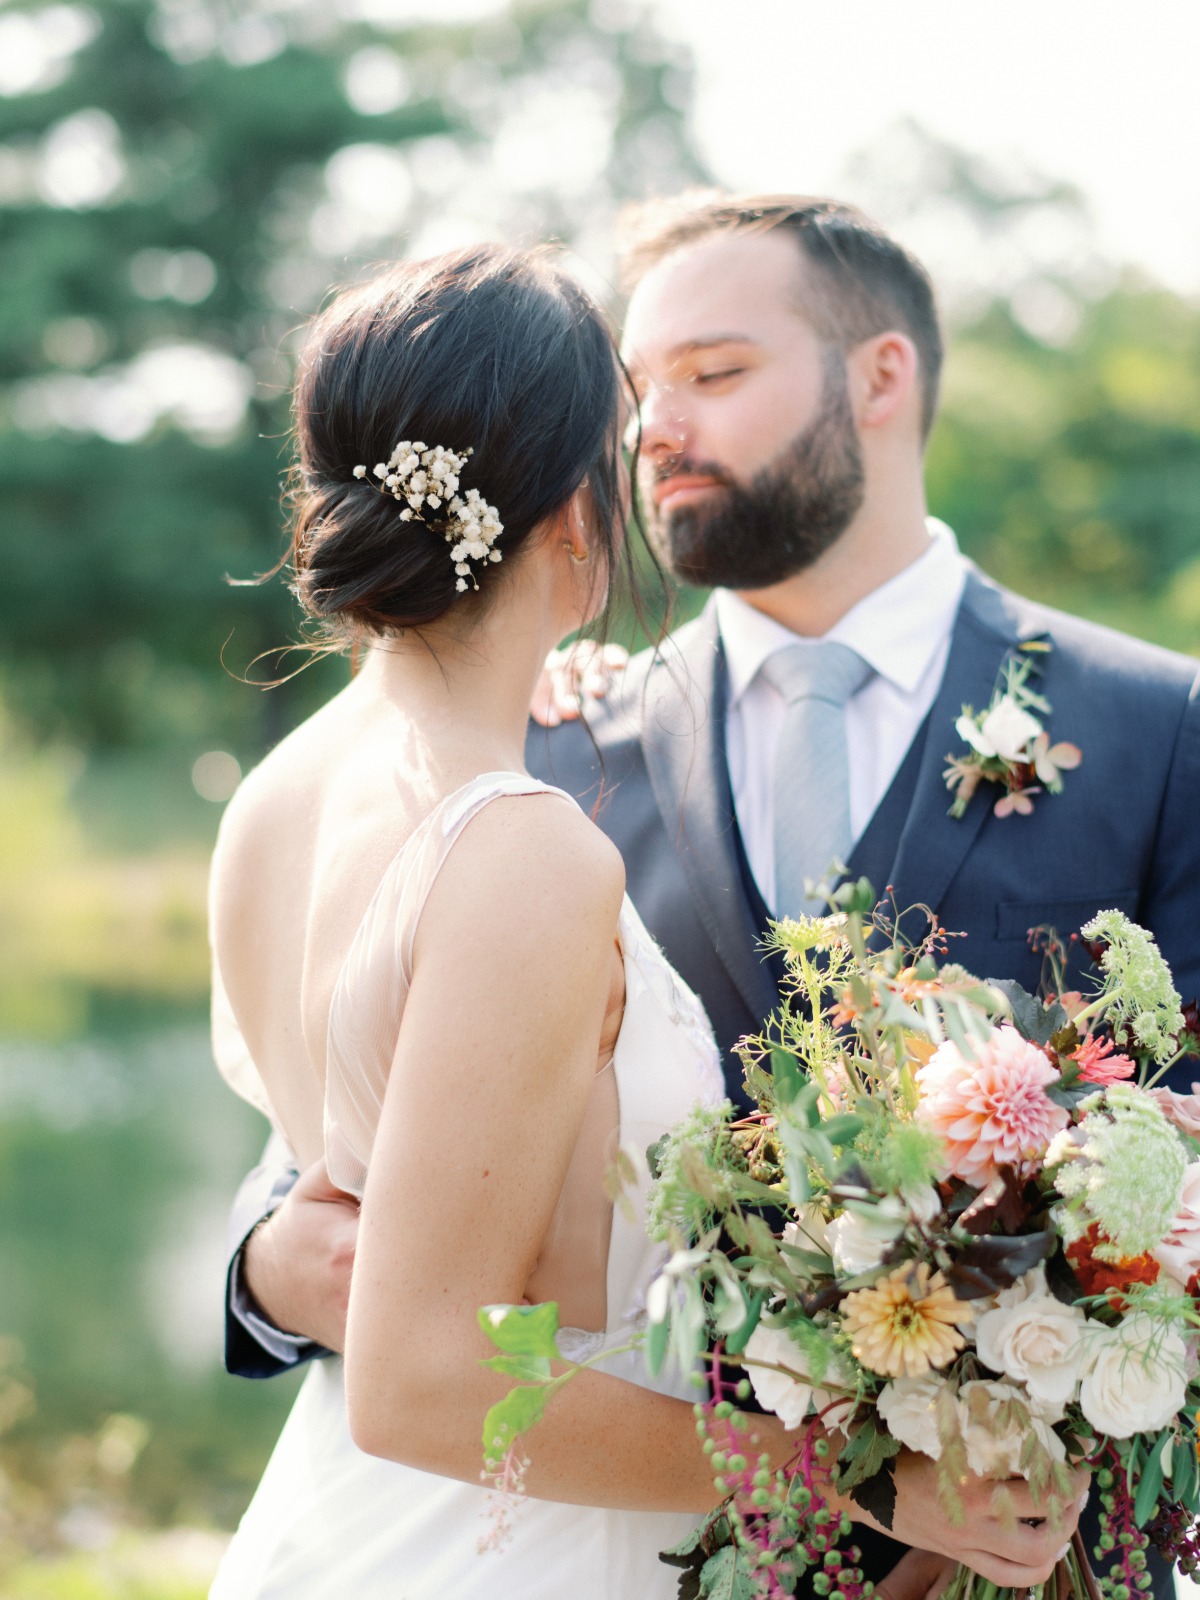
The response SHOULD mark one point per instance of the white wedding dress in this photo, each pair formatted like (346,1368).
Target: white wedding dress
(331,1523)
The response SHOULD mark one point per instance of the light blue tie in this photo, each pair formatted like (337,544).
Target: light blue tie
(812,767)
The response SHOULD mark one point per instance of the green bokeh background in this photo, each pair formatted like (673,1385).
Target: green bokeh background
(176,180)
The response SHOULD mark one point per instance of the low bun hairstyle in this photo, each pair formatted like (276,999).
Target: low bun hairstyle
(489,348)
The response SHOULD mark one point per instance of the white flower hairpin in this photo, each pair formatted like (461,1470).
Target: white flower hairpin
(425,479)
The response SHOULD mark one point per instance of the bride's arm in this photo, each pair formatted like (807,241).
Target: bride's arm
(492,1072)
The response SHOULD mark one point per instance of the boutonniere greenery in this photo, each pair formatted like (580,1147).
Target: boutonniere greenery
(1009,744)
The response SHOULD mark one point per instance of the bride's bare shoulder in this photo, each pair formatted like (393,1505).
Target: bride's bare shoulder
(274,804)
(538,857)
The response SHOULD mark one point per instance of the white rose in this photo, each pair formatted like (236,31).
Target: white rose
(1134,1377)
(909,1408)
(1037,1341)
(1008,730)
(790,1398)
(1179,1252)
(996,1419)
(859,1239)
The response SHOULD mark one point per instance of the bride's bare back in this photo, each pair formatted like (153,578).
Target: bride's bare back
(303,850)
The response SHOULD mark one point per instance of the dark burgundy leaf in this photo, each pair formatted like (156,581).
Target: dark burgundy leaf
(877,1495)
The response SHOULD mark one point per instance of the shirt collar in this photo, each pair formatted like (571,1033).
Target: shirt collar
(898,628)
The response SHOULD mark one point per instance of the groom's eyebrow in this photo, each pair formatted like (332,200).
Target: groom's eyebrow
(690,346)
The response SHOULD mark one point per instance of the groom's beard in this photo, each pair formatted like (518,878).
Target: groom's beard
(750,536)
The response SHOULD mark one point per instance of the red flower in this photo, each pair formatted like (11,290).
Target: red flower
(1097,1276)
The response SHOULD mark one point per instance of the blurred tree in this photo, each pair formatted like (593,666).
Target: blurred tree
(1067,456)
(180,182)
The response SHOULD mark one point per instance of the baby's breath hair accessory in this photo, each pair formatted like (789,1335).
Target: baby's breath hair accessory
(425,478)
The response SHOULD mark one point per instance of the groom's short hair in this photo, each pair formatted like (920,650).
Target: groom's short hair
(860,280)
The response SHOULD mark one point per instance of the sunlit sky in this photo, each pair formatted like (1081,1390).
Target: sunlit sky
(1102,93)
(1099,92)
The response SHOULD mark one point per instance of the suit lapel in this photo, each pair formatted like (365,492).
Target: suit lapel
(683,736)
(933,845)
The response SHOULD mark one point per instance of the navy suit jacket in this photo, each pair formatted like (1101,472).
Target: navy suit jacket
(1125,831)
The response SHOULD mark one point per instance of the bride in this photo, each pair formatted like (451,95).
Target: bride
(427,969)
(427,972)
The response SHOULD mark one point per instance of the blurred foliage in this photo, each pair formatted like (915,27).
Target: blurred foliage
(1073,473)
(75,920)
(175,198)
(1067,454)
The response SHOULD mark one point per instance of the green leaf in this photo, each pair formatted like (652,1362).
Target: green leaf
(1151,1483)
(677,1555)
(522,1330)
(658,1336)
(513,1415)
(654,1155)
(740,1337)
(529,1369)
(842,1128)
(724,1576)
(1185,1473)
(864,1456)
(786,1075)
(877,1495)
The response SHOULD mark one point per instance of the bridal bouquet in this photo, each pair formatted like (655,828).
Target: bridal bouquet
(961,1220)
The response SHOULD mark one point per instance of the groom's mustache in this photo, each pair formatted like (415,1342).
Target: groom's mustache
(685,466)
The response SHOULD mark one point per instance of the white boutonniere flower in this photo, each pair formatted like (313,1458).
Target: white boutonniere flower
(1009,745)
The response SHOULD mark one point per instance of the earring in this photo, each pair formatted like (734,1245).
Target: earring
(580,560)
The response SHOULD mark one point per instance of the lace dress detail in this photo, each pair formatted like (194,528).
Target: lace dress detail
(327,1518)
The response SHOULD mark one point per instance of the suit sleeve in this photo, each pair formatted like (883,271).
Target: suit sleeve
(1171,909)
(254,1347)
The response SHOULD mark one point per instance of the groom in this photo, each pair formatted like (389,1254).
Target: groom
(787,355)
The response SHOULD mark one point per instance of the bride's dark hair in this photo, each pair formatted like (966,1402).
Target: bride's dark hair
(493,349)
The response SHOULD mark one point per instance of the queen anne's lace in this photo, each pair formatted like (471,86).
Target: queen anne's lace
(1123,1170)
(425,479)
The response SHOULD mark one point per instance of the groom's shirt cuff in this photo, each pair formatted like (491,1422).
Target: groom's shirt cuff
(286,1348)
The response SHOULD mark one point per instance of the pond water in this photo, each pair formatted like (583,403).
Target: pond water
(119,1154)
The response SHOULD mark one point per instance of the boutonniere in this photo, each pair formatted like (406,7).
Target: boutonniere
(1009,744)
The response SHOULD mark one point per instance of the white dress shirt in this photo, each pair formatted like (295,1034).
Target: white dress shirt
(902,630)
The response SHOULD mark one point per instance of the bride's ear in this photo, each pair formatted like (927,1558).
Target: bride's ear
(577,535)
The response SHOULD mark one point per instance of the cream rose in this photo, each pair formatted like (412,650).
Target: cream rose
(859,1239)
(1037,1341)
(1006,731)
(1179,1252)
(1134,1377)
(996,1419)
(790,1398)
(909,1408)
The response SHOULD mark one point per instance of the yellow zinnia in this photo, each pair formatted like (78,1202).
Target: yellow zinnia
(905,1324)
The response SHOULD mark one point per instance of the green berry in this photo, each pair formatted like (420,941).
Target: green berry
(743,1389)
(737,1463)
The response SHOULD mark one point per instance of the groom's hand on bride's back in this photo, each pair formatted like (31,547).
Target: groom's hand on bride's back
(583,671)
(297,1263)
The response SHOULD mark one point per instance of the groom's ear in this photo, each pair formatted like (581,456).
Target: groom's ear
(881,373)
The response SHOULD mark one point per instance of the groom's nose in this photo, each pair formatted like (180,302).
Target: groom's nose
(665,427)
